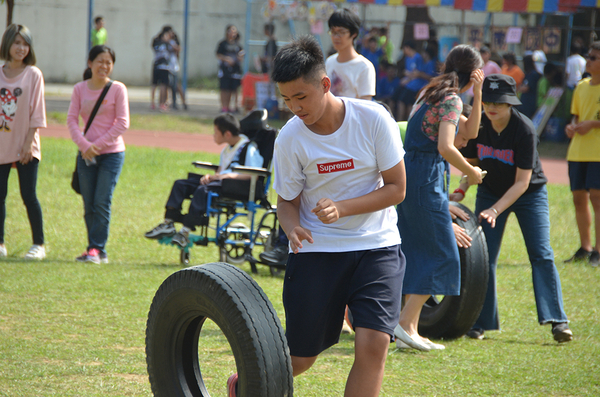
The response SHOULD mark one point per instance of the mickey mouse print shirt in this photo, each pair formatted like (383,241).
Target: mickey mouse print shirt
(22,107)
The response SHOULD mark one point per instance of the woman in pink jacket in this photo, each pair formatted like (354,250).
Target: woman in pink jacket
(101,150)
(22,112)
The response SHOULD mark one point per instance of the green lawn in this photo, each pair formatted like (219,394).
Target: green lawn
(70,329)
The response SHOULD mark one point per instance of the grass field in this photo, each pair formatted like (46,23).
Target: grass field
(70,329)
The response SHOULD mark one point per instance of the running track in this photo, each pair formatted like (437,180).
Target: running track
(555,170)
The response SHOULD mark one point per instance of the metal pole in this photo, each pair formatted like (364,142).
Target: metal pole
(593,26)
(515,23)
(247,38)
(568,46)
(90,22)
(463,28)
(487,29)
(186,5)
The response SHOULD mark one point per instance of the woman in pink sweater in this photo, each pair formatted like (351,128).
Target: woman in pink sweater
(22,112)
(101,150)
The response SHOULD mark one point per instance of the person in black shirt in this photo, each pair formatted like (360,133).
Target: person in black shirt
(270,48)
(506,148)
(230,55)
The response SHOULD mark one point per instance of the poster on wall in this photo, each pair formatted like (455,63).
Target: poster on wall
(514,35)
(421,31)
(533,39)
(551,41)
(446,44)
(499,39)
(475,35)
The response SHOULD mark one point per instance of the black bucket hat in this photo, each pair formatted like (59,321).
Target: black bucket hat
(500,88)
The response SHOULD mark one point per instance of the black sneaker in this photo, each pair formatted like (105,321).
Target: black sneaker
(476,333)
(594,258)
(103,258)
(181,240)
(277,256)
(165,229)
(580,255)
(561,332)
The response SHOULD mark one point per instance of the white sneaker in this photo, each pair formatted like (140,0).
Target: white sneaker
(37,252)
(3,252)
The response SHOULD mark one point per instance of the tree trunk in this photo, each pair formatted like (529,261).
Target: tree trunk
(10,4)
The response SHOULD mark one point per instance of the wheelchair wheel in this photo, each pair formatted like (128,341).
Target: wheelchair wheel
(277,271)
(234,253)
(184,257)
(215,304)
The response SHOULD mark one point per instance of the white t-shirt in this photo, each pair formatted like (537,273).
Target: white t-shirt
(351,79)
(340,166)
(575,69)
(229,153)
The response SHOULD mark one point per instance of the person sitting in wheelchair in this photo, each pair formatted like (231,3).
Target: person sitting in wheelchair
(239,151)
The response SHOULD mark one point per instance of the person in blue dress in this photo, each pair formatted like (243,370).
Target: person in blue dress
(433,137)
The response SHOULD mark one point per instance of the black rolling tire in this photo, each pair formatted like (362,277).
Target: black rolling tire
(453,316)
(238,306)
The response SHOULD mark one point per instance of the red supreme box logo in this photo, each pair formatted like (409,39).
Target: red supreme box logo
(336,166)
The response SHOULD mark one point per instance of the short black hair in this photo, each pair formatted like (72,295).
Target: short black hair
(345,18)
(227,122)
(510,57)
(302,58)
(269,27)
(98,19)
(410,43)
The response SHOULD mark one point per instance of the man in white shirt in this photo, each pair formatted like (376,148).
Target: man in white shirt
(339,172)
(575,67)
(352,75)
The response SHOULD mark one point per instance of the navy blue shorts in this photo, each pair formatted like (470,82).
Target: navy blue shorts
(584,175)
(229,84)
(319,285)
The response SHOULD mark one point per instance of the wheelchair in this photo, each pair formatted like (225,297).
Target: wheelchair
(240,217)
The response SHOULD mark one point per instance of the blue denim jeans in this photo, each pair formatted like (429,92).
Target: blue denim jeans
(27,183)
(97,184)
(531,210)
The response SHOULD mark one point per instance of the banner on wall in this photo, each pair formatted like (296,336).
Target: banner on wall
(551,43)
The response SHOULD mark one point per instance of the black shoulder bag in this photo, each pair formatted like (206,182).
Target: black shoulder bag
(75,177)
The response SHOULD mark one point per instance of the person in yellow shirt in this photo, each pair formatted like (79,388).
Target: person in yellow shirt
(584,157)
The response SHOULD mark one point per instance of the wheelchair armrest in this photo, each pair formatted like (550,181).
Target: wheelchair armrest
(255,173)
(205,165)
(240,169)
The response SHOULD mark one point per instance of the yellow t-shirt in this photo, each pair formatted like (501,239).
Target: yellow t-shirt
(586,105)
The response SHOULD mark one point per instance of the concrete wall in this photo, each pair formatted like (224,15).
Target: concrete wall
(59,29)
